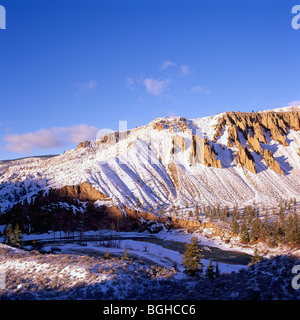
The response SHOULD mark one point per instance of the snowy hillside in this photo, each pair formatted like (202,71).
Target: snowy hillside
(175,161)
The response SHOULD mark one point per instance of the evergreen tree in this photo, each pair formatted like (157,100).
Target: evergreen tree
(213,213)
(17,237)
(224,215)
(196,212)
(255,230)
(8,234)
(235,226)
(125,255)
(106,254)
(235,211)
(191,259)
(161,213)
(218,209)
(278,231)
(290,230)
(210,271)
(266,229)
(217,271)
(207,212)
(256,257)
(244,234)
(297,227)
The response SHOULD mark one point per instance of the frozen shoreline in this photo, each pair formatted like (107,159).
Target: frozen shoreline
(141,249)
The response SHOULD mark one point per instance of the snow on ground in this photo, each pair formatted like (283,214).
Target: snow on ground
(137,167)
(142,249)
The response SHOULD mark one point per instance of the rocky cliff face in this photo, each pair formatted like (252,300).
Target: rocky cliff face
(245,158)
(179,142)
(255,128)
(271,162)
(83,191)
(227,158)
(202,152)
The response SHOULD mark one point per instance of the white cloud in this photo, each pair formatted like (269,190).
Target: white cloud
(155,87)
(201,90)
(294,103)
(83,87)
(55,137)
(167,64)
(185,70)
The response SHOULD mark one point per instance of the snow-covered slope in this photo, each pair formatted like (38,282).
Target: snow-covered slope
(152,165)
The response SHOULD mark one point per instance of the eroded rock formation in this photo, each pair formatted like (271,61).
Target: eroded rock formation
(83,192)
(245,159)
(255,144)
(271,162)
(178,141)
(201,152)
(253,126)
(277,123)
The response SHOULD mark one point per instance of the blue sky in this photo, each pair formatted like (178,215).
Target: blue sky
(71,67)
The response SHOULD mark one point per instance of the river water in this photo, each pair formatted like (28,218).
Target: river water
(209,252)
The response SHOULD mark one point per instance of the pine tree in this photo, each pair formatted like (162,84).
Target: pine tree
(255,230)
(217,271)
(256,257)
(213,213)
(235,211)
(196,212)
(244,234)
(8,234)
(17,237)
(161,213)
(125,255)
(297,227)
(191,259)
(106,254)
(210,271)
(266,228)
(290,230)
(224,215)
(235,226)
(278,231)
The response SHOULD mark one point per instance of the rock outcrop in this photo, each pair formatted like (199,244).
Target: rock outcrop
(253,126)
(245,158)
(83,192)
(178,141)
(277,123)
(233,136)
(201,152)
(258,133)
(271,162)
(254,144)
(83,144)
